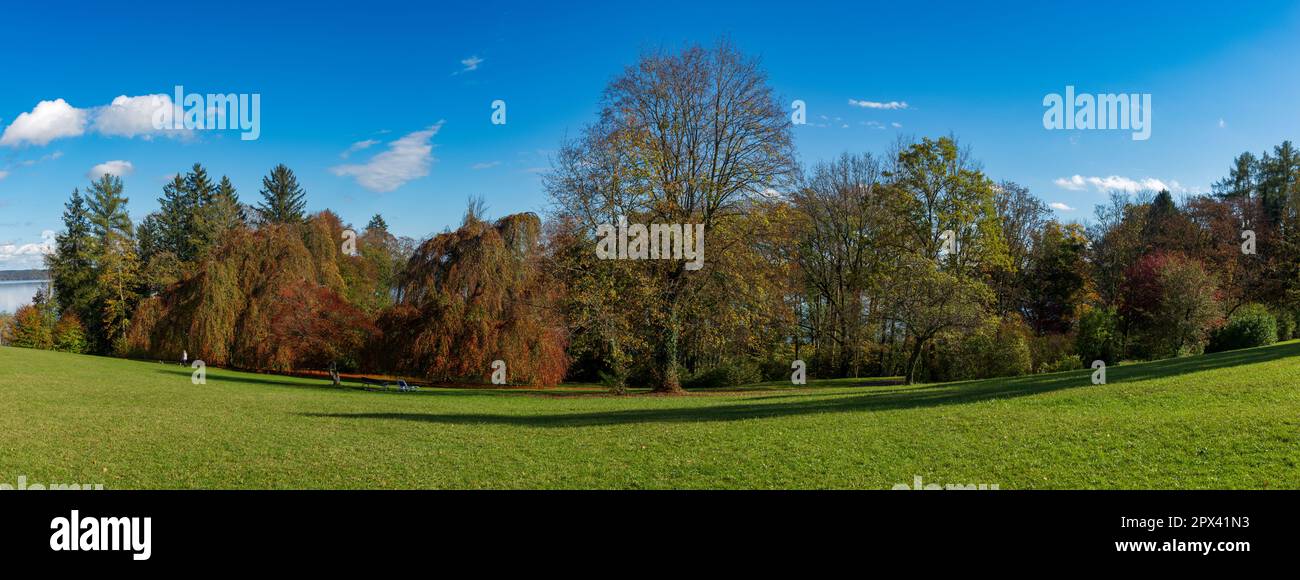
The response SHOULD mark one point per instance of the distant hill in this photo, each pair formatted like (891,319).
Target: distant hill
(10,275)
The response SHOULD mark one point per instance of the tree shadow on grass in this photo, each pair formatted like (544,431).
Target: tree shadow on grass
(351,385)
(886,399)
(188,373)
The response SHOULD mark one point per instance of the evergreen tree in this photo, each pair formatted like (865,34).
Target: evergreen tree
(71,264)
(1241,180)
(377,224)
(283,199)
(205,225)
(147,237)
(1279,180)
(175,218)
(229,212)
(117,265)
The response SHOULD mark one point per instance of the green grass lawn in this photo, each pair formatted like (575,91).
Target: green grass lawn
(1230,420)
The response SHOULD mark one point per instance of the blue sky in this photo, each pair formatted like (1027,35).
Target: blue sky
(334,77)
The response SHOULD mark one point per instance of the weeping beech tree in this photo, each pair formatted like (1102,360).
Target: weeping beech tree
(473,296)
(266,299)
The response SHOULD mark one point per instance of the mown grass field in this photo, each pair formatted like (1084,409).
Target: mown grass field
(1230,420)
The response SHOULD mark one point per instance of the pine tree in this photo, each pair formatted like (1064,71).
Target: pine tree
(229,211)
(117,265)
(283,199)
(175,218)
(377,224)
(1241,180)
(1279,180)
(199,186)
(73,280)
(108,215)
(205,227)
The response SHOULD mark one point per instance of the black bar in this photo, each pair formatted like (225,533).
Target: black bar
(240,528)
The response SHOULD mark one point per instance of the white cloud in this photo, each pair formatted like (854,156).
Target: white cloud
(119,168)
(4,174)
(123,117)
(50,120)
(1075,183)
(406,159)
(470,64)
(896,125)
(43,159)
(484,165)
(1118,183)
(1222,124)
(1058,206)
(25,256)
(358,146)
(134,117)
(891,105)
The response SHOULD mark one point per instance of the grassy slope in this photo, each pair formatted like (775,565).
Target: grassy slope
(1220,421)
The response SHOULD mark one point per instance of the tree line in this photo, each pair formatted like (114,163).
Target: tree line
(907,262)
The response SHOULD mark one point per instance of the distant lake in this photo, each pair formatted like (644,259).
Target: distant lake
(14,294)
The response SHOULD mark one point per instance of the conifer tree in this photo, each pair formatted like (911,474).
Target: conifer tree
(282,198)
(71,274)
(117,264)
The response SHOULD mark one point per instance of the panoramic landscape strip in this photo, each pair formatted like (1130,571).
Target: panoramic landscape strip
(282,281)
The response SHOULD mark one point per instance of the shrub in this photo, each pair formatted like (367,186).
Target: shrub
(70,334)
(1251,325)
(1053,353)
(32,328)
(1098,337)
(998,348)
(1170,303)
(1068,362)
(726,375)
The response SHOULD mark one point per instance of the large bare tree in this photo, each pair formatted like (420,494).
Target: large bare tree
(682,138)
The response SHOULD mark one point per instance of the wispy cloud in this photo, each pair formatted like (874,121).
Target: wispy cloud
(1223,124)
(470,64)
(406,159)
(358,146)
(484,165)
(891,105)
(1058,206)
(41,159)
(1118,183)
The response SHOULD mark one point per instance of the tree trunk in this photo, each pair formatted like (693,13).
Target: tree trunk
(669,382)
(912,361)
